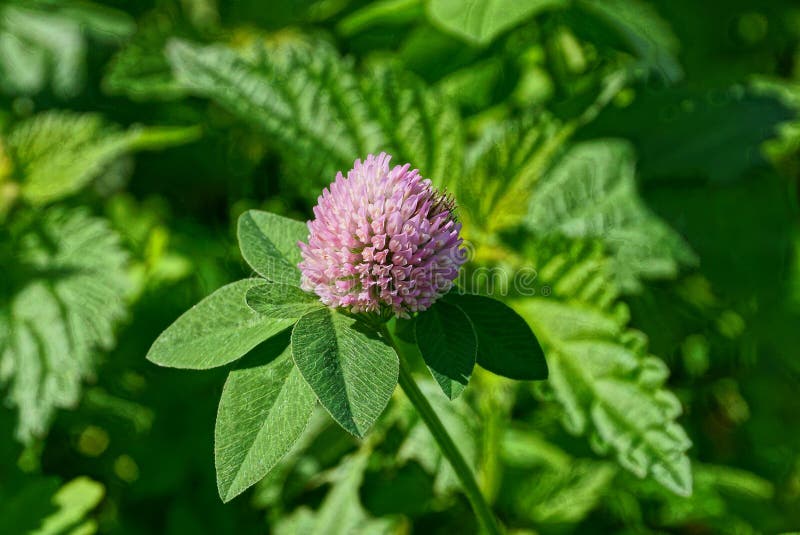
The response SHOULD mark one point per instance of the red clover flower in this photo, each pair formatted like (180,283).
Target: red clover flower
(382,241)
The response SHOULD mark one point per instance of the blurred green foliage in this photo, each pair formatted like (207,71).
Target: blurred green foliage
(637,161)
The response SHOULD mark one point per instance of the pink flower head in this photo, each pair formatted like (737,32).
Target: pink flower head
(383,240)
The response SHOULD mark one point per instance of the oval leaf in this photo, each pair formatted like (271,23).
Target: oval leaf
(219,329)
(351,370)
(449,346)
(480,21)
(276,300)
(262,413)
(506,344)
(269,245)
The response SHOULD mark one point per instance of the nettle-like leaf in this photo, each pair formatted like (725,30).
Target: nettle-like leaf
(607,384)
(45,43)
(140,70)
(503,167)
(71,277)
(591,193)
(480,21)
(56,154)
(320,111)
(263,411)
(448,344)
(352,371)
(545,484)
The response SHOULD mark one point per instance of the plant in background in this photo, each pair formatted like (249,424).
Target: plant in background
(381,256)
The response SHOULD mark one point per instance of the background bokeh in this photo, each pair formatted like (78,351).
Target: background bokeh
(636,160)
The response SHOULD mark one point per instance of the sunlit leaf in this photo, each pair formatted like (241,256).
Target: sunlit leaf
(320,111)
(70,298)
(216,331)
(591,193)
(351,370)
(56,154)
(276,300)
(608,388)
(262,412)
(480,21)
(269,244)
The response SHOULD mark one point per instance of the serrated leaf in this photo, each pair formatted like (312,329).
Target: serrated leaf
(606,389)
(269,244)
(448,344)
(351,370)
(276,300)
(68,286)
(480,21)
(503,168)
(141,70)
(506,345)
(56,154)
(551,487)
(216,331)
(421,126)
(591,193)
(263,411)
(320,111)
(308,102)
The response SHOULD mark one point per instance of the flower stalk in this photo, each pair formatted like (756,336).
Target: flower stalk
(480,507)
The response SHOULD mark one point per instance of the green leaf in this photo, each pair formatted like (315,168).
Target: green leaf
(552,487)
(609,387)
(67,275)
(503,168)
(591,193)
(263,411)
(320,112)
(307,101)
(506,344)
(448,344)
(352,371)
(58,153)
(269,244)
(141,70)
(380,13)
(216,331)
(421,126)
(276,300)
(480,21)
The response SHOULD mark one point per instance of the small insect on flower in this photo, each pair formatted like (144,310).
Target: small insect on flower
(383,241)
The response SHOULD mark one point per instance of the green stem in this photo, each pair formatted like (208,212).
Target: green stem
(482,510)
